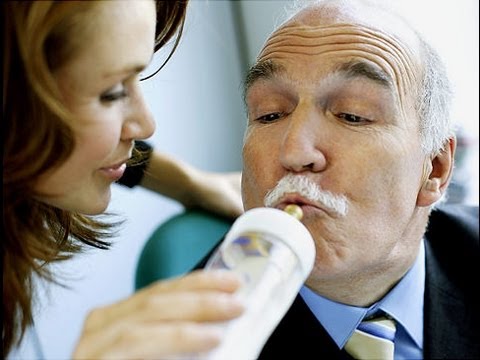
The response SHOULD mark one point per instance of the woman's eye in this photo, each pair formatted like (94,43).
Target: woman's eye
(111,96)
(351,118)
(269,117)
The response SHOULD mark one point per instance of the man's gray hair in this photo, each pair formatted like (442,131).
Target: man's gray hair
(433,105)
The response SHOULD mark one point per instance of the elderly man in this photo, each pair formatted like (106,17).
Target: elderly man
(348,118)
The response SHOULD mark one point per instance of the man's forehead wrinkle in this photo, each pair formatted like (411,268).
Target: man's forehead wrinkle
(308,39)
(337,34)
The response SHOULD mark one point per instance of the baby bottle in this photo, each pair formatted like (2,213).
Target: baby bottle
(274,254)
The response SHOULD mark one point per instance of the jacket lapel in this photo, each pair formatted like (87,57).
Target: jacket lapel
(301,336)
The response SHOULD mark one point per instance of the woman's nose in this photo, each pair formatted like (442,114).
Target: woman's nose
(139,123)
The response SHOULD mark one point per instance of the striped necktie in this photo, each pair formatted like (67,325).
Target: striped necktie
(373,339)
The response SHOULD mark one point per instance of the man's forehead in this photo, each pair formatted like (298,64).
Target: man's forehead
(327,12)
(338,27)
(354,12)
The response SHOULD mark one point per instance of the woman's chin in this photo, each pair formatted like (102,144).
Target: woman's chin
(96,205)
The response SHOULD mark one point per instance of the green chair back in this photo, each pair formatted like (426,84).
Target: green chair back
(178,244)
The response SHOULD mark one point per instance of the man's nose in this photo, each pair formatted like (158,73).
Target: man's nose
(301,148)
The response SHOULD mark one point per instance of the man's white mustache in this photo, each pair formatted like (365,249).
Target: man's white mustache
(306,188)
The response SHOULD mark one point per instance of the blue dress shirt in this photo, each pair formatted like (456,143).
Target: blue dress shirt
(404,303)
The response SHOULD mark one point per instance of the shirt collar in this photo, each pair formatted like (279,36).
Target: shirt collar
(408,309)
(341,320)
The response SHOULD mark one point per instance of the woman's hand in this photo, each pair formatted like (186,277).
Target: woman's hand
(217,192)
(167,319)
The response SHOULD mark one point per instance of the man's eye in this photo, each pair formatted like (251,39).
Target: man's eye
(351,118)
(269,117)
(113,95)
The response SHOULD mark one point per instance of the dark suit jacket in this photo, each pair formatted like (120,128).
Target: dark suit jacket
(451,307)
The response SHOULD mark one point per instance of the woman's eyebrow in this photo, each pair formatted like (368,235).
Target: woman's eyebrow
(128,69)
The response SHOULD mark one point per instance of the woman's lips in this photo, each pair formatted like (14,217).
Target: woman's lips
(114,172)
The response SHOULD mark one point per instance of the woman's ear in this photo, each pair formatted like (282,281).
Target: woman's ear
(437,174)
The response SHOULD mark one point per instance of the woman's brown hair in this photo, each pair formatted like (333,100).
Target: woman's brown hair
(37,38)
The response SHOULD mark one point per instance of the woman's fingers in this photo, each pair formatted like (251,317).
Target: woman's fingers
(185,306)
(200,280)
(168,318)
(150,341)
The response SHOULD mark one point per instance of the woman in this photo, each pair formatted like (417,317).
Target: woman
(72,113)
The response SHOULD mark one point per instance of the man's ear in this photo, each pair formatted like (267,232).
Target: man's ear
(437,174)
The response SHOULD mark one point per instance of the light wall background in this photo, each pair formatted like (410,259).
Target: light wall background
(196,100)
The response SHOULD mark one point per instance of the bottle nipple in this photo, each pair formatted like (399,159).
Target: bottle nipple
(294,210)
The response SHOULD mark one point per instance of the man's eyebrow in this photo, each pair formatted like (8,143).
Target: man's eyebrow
(354,69)
(261,70)
(268,69)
